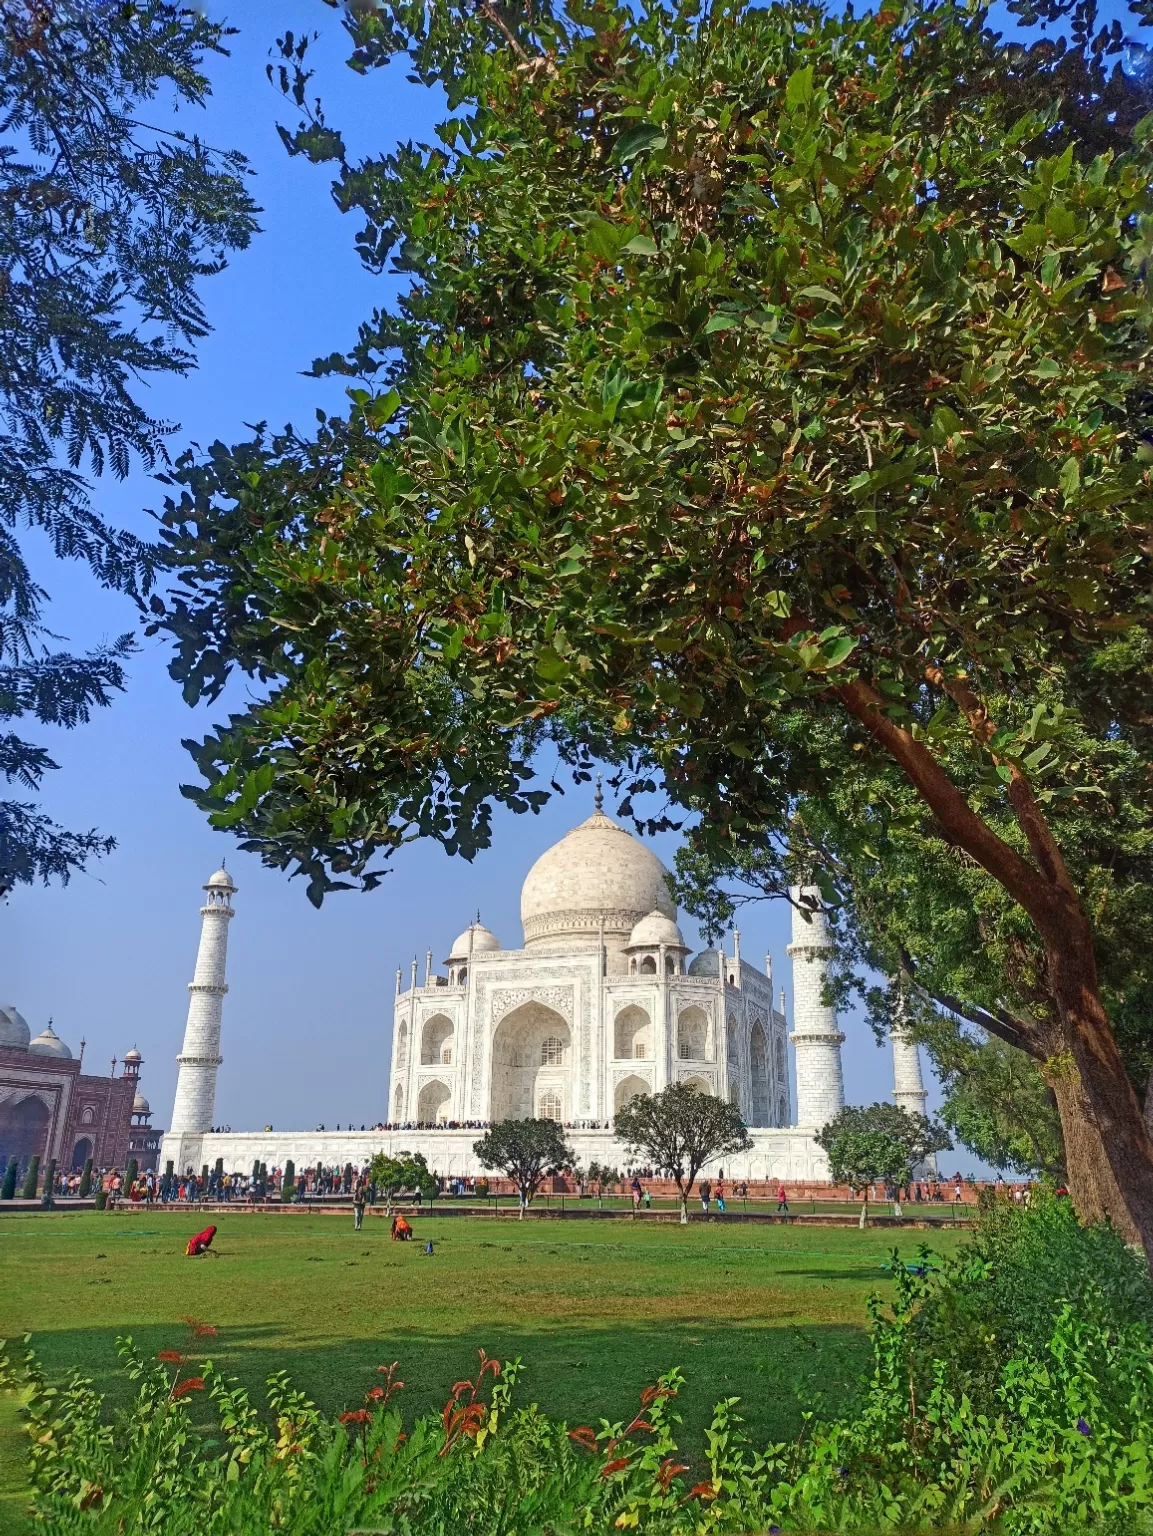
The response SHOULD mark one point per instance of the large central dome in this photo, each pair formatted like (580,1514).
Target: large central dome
(597,873)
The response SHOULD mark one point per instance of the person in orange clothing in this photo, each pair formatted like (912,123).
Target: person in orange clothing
(401,1231)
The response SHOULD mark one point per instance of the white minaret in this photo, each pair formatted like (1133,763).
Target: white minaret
(908,1084)
(816,1039)
(200,1057)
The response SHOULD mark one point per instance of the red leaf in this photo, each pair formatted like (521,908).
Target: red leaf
(354,1416)
(614,1466)
(703,1491)
(584,1435)
(191,1384)
(669,1470)
(170,1356)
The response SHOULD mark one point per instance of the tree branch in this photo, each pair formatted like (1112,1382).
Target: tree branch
(1030,818)
(961,824)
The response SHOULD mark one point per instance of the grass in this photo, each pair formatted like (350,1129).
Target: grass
(594,1311)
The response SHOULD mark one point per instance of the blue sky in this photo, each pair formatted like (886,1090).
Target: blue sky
(306,1023)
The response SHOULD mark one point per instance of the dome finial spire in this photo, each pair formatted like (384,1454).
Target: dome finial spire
(598,797)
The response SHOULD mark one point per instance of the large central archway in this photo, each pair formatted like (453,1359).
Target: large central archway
(531,1065)
(23,1129)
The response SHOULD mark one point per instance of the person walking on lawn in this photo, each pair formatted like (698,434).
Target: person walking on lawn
(359,1201)
(782,1200)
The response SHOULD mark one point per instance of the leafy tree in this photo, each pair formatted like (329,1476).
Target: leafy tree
(84,1188)
(107,225)
(392,1174)
(679,1130)
(878,1143)
(524,1151)
(8,1190)
(288,1182)
(762,411)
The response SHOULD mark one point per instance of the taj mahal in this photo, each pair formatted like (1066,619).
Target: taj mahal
(601,1002)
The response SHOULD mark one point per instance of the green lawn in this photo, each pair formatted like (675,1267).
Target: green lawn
(594,1310)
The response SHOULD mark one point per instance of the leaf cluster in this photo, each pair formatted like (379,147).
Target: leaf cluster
(107,226)
(742,354)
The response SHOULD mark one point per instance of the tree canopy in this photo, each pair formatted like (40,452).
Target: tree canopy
(526,1151)
(679,1130)
(107,225)
(879,1143)
(765,406)
(405,1171)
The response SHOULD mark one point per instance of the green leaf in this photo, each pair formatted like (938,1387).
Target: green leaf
(799,90)
(664,330)
(642,245)
(635,141)
(838,649)
(722,321)
(1070,478)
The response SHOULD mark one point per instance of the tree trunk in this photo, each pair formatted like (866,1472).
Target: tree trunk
(1113,1134)
(1091,1183)
(864,1212)
(1117,1139)
(684,1207)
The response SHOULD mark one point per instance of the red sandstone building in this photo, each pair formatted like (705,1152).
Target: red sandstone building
(50,1108)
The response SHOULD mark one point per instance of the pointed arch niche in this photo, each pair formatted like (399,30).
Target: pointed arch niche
(531,1063)
(633,1035)
(760,1111)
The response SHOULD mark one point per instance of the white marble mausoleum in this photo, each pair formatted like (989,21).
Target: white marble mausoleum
(600,1002)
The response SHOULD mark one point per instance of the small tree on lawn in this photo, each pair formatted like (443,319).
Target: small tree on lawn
(678,1130)
(392,1174)
(878,1143)
(525,1151)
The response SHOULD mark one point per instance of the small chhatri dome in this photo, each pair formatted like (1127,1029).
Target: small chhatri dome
(48,1043)
(476,939)
(14,1031)
(598,874)
(654,930)
(221,880)
(132,1055)
(140,1105)
(707,963)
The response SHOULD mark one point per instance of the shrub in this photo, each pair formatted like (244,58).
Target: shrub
(101,1199)
(85,1186)
(130,1175)
(288,1182)
(8,1189)
(31,1180)
(1008,1284)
